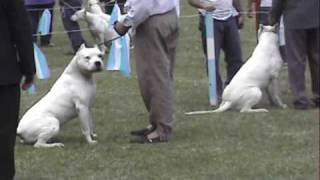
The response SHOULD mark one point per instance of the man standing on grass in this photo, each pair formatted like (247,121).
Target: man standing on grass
(16,60)
(301,24)
(156,24)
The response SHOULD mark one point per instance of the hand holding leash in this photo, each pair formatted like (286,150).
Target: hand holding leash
(120,28)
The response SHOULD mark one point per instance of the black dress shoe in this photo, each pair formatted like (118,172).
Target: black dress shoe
(316,102)
(142,132)
(301,104)
(146,140)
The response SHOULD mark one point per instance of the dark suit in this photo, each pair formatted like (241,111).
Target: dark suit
(16,60)
(301,21)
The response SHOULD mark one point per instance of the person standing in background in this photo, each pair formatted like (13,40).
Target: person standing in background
(16,61)
(157,30)
(68,8)
(301,24)
(226,35)
(109,5)
(260,9)
(35,9)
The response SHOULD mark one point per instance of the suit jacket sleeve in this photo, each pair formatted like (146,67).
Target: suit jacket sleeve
(277,10)
(22,35)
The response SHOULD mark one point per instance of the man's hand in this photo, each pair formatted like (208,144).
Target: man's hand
(120,28)
(208,6)
(250,12)
(240,21)
(251,8)
(28,81)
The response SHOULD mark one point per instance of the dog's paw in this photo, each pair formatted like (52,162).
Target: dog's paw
(93,142)
(74,18)
(59,145)
(284,106)
(94,135)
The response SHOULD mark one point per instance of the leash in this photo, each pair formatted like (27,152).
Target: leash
(85,14)
(68,5)
(115,38)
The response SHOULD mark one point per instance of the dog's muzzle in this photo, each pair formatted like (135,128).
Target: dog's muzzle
(98,65)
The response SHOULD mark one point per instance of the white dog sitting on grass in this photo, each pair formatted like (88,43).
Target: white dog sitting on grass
(260,72)
(71,96)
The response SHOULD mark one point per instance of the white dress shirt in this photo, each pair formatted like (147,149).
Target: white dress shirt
(139,10)
(224,9)
(266,3)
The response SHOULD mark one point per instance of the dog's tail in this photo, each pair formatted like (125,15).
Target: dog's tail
(223,107)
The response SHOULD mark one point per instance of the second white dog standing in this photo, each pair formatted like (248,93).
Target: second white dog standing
(98,23)
(71,96)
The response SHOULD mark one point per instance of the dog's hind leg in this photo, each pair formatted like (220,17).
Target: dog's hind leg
(47,132)
(251,98)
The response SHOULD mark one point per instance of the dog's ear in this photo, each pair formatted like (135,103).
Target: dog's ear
(276,27)
(260,30)
(83,45)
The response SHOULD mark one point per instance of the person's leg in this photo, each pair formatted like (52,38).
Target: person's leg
(232,49)
(72,27)
(263,15)
(108,6)
(34,12)
(314,62)
(46,39)
(296,58)
(156,40)
(121,5)
(283,53)
(9,110)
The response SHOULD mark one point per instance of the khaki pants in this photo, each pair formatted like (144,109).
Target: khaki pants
(155,51)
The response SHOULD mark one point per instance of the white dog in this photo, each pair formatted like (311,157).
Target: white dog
(261,71)
(94,7)
(71,96)
(97,22)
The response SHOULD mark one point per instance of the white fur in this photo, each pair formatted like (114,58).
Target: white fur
(94,7)
(97,22)
(71,96)
(261,71)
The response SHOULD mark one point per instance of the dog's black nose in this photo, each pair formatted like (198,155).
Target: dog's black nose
(97,64)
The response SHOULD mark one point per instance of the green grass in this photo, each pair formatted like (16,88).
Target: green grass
(281,144)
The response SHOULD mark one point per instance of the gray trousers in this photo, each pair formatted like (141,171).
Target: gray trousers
(302,45)
(72,27)
(155,54)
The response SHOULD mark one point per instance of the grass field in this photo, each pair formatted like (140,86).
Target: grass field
(279,145)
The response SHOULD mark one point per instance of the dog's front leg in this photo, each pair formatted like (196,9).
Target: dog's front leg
(86,122)
(274,92)
(102,46)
